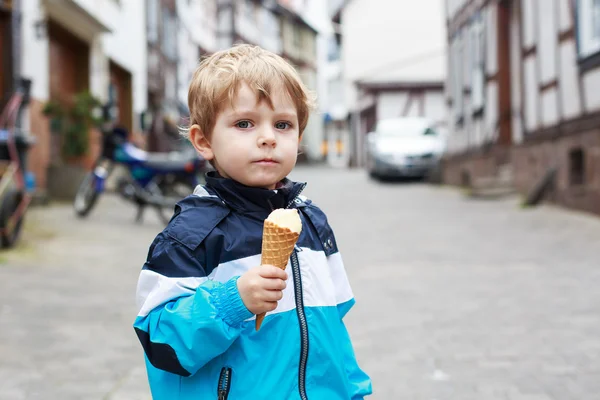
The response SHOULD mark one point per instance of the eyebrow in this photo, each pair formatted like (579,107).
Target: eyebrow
(286,114)
(252,112)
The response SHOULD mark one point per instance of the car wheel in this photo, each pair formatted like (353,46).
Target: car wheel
(374,175)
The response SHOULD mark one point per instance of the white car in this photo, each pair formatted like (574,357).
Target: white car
(404,148)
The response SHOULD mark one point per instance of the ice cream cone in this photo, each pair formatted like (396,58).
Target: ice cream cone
(278,244)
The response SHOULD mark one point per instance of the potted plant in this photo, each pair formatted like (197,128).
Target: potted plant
(70,124)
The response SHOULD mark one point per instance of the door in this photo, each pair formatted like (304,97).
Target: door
(69,72)
(69,64)
(120,94)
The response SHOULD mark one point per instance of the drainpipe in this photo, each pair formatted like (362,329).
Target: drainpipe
(16,42)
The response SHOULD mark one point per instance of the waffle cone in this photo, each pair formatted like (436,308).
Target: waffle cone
(277,246)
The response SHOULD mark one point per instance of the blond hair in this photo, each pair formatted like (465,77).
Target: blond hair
(219,76)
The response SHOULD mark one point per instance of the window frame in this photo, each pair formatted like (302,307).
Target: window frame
(457,77)
(587,44)
(478,63)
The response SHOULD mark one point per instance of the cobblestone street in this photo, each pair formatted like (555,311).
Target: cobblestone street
(456,299)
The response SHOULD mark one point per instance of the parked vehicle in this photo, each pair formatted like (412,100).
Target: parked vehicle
(15,195)
(157,180)
(404,148)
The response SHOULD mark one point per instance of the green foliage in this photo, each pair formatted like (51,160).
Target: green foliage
(72,123)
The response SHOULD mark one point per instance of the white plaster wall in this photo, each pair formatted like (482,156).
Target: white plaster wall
(491,34)
(564,16)
(435,106)
(390,105)
(491,113)
(126,46)
(569,84)
(550,108)
(528,18)
(531,93)
(547,41)
(34,63)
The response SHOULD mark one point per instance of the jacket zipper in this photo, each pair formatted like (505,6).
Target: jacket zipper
(295,196)
(303,326)
(299,309)
(224,384)
(300,312)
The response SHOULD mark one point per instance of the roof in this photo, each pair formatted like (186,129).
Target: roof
(289,13)
(399,85)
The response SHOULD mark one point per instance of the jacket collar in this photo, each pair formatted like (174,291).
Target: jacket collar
(252,199)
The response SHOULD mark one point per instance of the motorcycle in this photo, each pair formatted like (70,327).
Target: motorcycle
(156,180)
(15,188)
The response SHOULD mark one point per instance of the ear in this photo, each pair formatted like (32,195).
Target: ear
(201,143)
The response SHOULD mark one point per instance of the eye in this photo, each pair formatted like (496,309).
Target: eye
(283,125)
(244,124)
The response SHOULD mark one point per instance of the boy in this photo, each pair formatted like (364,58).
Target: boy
(202,283)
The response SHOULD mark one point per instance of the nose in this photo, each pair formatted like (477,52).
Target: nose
(267,137)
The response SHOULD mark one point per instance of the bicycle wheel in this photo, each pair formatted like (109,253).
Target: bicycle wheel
(86,196)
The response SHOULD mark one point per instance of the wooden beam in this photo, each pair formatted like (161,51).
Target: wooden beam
(491,77)
(529,51)
(548,85)
(585,122)
(503,35)
(567,35)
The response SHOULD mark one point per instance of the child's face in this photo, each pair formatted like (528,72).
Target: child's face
(252,143)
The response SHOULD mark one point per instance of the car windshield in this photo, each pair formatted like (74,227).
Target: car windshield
(404,128)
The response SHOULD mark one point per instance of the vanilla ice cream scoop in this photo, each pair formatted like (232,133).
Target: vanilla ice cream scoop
(286,218)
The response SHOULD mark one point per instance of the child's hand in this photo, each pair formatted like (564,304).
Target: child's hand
(261,288)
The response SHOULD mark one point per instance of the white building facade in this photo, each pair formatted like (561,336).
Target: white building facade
(394,64)
(524,93)
(71,46)
(197,37)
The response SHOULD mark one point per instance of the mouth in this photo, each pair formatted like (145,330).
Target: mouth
(266,161)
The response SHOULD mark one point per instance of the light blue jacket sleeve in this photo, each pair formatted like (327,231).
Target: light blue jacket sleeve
(185,319)
(360,383)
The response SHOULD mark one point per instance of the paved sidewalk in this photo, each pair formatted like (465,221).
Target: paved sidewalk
(67,306)
(456,299)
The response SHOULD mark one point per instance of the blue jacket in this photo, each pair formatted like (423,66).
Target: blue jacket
(200,340)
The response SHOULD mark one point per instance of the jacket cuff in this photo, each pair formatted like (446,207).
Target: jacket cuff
(229,304)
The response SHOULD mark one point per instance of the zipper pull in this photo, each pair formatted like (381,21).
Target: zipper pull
(224,384)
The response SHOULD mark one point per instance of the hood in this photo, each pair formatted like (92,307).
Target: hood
(408,145)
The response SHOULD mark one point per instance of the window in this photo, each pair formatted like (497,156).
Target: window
(457,77)
(333,50)
(297,38)
(596,19)
(477,64)
(152,23)
(169,35)
(588,27)
(577,167)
